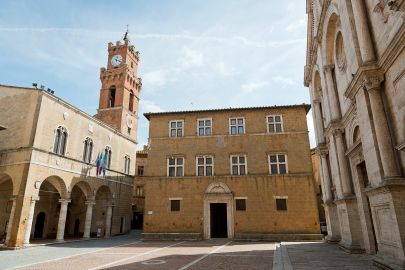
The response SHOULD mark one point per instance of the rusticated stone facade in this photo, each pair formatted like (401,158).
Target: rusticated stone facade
(355,71)
(253,163)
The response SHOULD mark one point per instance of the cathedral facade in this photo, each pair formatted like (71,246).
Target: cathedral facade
(63,172)
(355,71)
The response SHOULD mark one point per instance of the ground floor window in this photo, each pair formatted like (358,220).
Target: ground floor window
(281,204)
(240,204)
(174,205)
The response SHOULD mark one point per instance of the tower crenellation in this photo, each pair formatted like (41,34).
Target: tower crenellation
(120,87)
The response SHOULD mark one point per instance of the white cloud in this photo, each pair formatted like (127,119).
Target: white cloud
(155,78)
(251,87)
(283,81)
(296,25)
(149,106)
(223,69)
(191,57)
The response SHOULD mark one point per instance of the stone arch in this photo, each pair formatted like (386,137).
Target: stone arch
(352,129)
(6,204)
(101,220)
(84,187)
(330,26)
(58,183)
(217,188)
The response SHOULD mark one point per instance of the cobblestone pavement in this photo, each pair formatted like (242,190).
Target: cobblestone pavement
(125,252)
(318,255)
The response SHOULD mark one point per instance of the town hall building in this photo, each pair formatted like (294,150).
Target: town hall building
(50,186)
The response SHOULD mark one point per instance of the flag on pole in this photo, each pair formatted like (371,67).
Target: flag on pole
(97,163)
(100,168)
(104,164)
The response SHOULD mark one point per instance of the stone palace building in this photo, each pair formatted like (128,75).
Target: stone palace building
(231,173)
(355,71)
(49,187)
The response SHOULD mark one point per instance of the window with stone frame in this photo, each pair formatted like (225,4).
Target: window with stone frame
(175,205)
(60,142)
(281,204)
(139,191)
(205,165)
(127,164)
(278,164)
(107,156)
(237,126)
(140,170)
(175,166)
(238,164)
(204,127)
(274,123)
(176,128)
(240,204)
(87,150)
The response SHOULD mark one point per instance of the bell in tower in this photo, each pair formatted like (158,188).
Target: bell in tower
(120,87)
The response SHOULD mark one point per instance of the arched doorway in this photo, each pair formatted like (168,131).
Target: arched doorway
(218,211)
(6,204)
(39,226)
(102,212)
(52,189)
(75,220)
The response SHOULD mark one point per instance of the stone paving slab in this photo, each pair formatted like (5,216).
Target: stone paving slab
(323,256)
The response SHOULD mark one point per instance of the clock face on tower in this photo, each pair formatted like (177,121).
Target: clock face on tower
(116,60)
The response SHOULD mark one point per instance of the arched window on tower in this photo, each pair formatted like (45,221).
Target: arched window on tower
(87,150)
(131,101)
(111,97)
(107,156)
(61,136)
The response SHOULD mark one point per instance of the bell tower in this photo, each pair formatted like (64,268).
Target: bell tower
(120,88)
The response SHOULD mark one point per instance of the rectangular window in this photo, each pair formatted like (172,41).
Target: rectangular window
(237,126)
(174,205)
(204,127)
(240,204)
(278,164)
(281,204)
(139,191)
(140,170)
(274,123)
(175,166)
(205,166)
(176,128)
(238,165)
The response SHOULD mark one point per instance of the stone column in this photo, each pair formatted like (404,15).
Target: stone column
(108,221)
(332,93)
(30,217)
(62,219)
(385,147)
(89,215)
(319,122)
(10,220)
(363,33)
(326,178)
(343,167)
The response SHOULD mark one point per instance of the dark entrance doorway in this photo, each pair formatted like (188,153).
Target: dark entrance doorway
(138,221)
(219,226)
(77,227)
(39,225)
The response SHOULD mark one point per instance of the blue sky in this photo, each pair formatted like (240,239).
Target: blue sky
(194,54)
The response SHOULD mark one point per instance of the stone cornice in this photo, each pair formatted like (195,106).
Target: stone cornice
(369,69)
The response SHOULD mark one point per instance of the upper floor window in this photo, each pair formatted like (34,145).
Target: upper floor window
(176,128)
(205,166)
(127,164)
(140,170)
(107,156)
(236,125)
(139,192)
(87,150)
(274,123)
(278,164)
(61,137)
(175,166)
(131,101)
(204,127)
(111,96)
(238,165)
